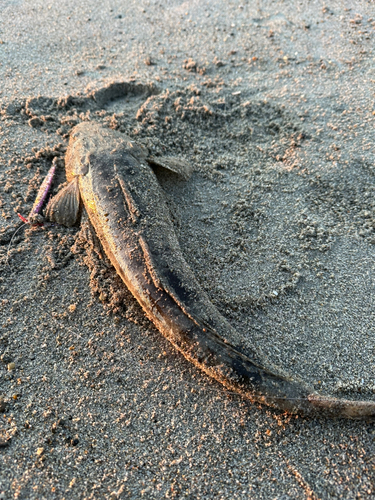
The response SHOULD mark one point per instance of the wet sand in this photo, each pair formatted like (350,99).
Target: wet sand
(273,105)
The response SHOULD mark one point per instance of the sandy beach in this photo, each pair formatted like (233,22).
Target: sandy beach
(272,103)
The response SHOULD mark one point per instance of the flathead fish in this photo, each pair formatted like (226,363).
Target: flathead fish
(110,175)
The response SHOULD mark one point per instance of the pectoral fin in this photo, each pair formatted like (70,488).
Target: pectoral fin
(176,165)
(65,207)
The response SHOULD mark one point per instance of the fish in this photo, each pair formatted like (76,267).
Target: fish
(111,177)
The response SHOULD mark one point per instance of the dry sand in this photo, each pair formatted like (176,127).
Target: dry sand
(273,104)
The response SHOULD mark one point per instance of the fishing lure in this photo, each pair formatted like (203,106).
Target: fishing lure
(35,217)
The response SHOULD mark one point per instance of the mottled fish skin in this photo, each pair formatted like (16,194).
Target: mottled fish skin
(127,209)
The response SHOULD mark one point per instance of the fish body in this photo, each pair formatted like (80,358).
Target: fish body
(111,175)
